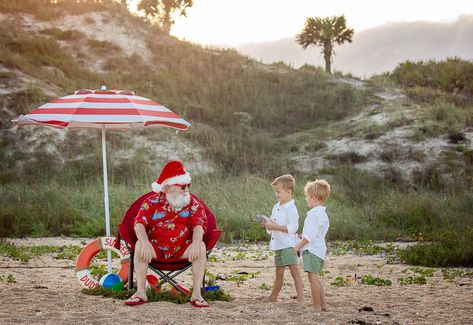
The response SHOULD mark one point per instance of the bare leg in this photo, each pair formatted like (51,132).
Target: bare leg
(278,283)
(323,303)
(141,268)
(198,270)
(296,275)
(315,287)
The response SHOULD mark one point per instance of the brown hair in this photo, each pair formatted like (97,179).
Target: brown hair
(287,181)
(320,189)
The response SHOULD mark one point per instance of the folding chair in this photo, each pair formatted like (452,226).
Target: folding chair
(167,269)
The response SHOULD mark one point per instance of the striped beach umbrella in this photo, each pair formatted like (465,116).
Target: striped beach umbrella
(103,109)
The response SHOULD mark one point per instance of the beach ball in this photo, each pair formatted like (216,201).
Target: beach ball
(111,281)
(152,281)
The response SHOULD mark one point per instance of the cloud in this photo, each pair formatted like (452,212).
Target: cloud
(379,49)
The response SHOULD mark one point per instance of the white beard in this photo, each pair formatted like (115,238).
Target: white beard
(178,201)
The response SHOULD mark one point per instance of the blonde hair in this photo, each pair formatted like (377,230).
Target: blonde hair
(319,189)
(287,181)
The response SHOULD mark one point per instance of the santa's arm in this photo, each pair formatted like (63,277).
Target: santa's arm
(198,234)
(194,253)
(146,252)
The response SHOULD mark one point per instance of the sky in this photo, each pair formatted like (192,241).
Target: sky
(233,22)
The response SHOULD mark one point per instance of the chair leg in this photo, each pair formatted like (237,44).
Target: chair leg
(203,280)
(132,267)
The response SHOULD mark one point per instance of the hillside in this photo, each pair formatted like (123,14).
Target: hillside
(245,113)
(228,97)
(397,148)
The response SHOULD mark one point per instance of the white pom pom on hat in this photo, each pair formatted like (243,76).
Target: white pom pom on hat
(173,173)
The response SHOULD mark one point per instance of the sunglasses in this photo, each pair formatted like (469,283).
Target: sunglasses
(183,186)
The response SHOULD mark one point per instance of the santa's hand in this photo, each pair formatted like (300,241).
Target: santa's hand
(194,251)
(146,252)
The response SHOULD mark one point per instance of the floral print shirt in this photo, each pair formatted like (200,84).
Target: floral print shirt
(168,230)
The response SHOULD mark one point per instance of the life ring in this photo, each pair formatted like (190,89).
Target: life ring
(83,275)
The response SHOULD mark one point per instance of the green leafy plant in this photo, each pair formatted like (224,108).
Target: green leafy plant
(451,274)
(25,253)
(370,280)
(212,259)
(264,286)
(210,279)
(449,248)
(420,280)
(422,271)
(11,278)
(339,282)
(154,295)
(359,247)
(68,252)
(97,271)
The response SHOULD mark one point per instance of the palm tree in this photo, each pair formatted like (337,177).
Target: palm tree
(325,32)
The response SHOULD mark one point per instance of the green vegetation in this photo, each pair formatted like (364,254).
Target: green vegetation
(264,286)
(376,211)
(361,247)
(339,282)
(10,278)
(421,271)
(155,295)
(236,106)
(412,280)
(447,249)
(450,76)
(370,280)
(25,253)
(451,274)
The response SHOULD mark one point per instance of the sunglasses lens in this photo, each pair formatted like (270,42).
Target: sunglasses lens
(183,187)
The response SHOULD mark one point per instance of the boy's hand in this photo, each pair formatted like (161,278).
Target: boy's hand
(262,219)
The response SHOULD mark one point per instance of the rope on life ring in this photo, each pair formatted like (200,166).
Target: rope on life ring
(83,275)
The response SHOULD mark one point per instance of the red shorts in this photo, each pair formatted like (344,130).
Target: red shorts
(164,255)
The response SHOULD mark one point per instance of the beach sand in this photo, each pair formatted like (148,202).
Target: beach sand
(47,292)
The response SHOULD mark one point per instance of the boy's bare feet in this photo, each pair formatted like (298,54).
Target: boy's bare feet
(268,299)
(324,308)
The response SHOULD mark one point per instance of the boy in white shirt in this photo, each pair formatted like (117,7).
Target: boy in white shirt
(312,244)
(282,225)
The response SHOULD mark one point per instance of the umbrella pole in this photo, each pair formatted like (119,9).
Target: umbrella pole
(105,198)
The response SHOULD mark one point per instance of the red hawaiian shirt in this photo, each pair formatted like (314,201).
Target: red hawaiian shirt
(170,232)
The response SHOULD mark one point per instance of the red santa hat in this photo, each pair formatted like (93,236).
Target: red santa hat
(173,173)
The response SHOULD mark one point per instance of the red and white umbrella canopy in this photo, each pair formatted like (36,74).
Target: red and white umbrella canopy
(112,109)
(103,109)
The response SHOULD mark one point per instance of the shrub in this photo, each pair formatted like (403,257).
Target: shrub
(452,75)
(448,249)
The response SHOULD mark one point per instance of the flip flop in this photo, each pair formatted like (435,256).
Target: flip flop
(140,301)
(199,303)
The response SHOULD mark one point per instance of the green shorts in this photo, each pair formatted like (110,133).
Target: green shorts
(312,263)
(285,257)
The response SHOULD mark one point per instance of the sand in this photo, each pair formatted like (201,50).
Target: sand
(46,292)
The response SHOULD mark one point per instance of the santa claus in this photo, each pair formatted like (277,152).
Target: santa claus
(170,225)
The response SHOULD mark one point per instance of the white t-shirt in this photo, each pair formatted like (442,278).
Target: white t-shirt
(284,215)
(315,228)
